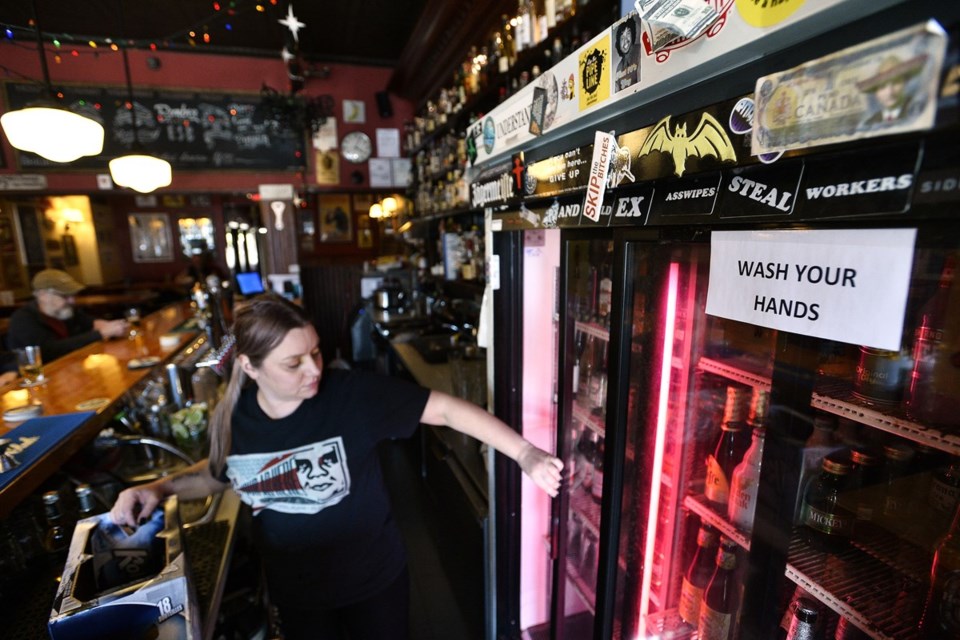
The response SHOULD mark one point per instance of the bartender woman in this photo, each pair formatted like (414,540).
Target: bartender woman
(299,445)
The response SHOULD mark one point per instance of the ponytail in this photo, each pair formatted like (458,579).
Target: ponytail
(220,420)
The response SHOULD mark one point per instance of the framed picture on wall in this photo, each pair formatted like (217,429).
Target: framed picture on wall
(335,218)
(150,238)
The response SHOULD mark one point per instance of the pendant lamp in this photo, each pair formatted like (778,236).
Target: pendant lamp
(138,170)
(48,129)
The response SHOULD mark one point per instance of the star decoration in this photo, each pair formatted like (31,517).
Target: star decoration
(290,22)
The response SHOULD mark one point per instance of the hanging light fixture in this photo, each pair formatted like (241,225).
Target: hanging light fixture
(48,129)
(138,170)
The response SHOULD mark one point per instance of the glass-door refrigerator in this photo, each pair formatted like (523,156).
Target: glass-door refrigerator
(778,485)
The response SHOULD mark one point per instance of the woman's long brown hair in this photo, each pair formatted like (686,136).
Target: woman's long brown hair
(259,326)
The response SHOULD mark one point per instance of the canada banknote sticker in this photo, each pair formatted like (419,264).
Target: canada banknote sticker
(882,87)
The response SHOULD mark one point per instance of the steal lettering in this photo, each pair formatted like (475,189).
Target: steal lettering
(762,193)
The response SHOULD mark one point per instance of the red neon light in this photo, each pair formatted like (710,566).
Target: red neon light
(670,321)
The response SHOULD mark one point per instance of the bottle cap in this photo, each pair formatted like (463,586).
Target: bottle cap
(899,452)
(838,463)
(864,456)
(51,497)
(806,610)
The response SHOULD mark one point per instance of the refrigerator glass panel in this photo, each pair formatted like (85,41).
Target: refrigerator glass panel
(589,278)
(823,477)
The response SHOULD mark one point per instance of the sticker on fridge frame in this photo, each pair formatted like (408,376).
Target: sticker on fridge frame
(883,87)
(848,285)
(594,68)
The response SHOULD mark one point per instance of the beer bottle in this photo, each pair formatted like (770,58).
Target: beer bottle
(805,622)
(86,502)
(746,483)
(941,611)
(931,395)
(828,525)
(716,618)
(732,444)
(697,575)
(55,540)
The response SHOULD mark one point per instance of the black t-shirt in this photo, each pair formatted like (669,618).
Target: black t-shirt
(322,521)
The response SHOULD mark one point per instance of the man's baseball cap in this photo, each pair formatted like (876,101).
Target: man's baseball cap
(57,280)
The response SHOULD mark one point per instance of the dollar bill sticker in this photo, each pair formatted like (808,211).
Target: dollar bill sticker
(882,87)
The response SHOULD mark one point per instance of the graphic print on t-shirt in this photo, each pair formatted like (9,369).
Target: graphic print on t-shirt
(303,480)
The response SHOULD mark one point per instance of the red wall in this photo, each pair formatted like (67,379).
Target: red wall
(199,71)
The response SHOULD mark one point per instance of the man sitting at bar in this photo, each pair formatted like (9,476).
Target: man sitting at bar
(53,322)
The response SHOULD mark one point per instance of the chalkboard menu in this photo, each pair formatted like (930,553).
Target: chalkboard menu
(191,130)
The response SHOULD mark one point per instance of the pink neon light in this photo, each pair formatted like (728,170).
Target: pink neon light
(665,370)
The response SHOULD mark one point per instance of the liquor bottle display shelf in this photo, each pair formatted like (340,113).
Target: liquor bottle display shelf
(878,583)
(593,329)
(877,599)
(584,590)
(588,418)
(583,504)
(837,398)
(699,505)
(668,624)
(736,369)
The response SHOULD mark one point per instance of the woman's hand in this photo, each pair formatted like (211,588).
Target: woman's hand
(134,505)
(543,468)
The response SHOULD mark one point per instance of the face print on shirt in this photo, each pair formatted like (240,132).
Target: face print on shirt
(302,480)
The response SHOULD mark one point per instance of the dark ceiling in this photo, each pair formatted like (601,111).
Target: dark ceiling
(423,39)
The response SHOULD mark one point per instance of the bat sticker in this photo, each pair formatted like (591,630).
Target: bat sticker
(708,139)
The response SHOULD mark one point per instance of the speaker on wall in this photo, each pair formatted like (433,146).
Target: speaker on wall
(383,104)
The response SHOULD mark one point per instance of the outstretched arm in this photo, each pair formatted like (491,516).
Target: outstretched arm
(137,503)
(446,410)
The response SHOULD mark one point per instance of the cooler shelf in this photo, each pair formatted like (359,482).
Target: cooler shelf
(880,599)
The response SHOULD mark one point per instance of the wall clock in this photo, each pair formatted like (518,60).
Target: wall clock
(356,147)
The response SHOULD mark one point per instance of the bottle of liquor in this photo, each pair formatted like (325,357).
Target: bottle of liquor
(698,575)
(525,22)
(746,483)
(822,442)
(580,345)
(732,444)
(596,489)
(864,486)
(898,498)
(805,622)
(931,396)
(787,617)
(941,611)
(587,363)
(598,383)
(719,605)
(846,630)
(605,293)
(828,524)
(587,447)
(942,497)
(880,376)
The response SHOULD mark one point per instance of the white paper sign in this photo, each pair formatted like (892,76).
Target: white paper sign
(381,172)
(846,285)
(388,143)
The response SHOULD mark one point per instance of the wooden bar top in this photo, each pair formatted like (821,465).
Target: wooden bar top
(93,378)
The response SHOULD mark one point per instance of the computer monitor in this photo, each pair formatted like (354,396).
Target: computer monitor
(249,284)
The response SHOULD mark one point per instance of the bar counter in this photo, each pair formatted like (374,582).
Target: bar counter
(93,383)
(92,378)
